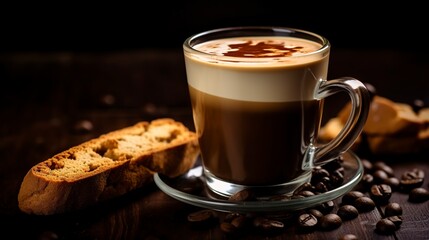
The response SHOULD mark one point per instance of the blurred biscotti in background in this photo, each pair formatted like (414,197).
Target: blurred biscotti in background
(391,127)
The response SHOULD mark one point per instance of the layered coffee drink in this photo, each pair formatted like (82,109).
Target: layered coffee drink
(254,106)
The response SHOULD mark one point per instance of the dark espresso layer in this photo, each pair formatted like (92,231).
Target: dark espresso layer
(253,143)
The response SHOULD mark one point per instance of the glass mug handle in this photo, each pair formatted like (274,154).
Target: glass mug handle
(360,103)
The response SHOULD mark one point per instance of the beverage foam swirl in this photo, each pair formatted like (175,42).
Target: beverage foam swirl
(257,68)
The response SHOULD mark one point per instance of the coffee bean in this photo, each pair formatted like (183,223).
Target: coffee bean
(231,216)
(227,227)
(418,195)
(380,176)
(351,196)
(239,221)
(413,174)
(379,165)
(347,212)
(326,207)
(243,195)
(348,237)
(297,196)
(330,221)
(307,221)
(393,182)
(367,166)
(202,217)
(306,193)
(407,185)
(392,209)
(318,214)
(267,224)
(303,187)
(321,187)
(367,180)
(411,179)
(380,193)
(334,165)
(364,204)
(317,174)
(397,220)
(385,226)
(337,178)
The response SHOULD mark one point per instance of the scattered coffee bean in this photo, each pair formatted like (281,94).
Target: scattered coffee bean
(296,196)
(380,193)
(317,174)
(303,187)
(397,220)
(239,221)
(348,237)
(347,212)
(243,195)
(330,221)
(385,226)
(306,193)
(393,182)
(227,227)
(411,179)
(267,224)
(350,197)
(367,165)
(413,174)
(364,204)
(202,217)
(367,180)
(418,195)
(337,178)
(318,214)
(392,209)
(407,185)
(321,187)
(380,176)
(379,165)
(326,207)
(231,216)
(307,222)
(334,165)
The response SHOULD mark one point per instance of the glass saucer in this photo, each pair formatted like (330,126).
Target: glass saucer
(174,187)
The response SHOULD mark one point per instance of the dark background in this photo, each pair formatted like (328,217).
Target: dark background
(121,50)
(165,24)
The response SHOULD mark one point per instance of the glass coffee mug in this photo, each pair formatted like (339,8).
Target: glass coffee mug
(257,99)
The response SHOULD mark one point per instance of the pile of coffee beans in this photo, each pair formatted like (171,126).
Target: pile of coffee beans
(374,191)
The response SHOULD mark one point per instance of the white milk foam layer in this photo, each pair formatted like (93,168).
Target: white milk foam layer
(264,79)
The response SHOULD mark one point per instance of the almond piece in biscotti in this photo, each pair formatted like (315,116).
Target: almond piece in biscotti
(387,117)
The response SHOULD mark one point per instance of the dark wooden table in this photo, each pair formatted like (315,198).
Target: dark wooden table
(46,97)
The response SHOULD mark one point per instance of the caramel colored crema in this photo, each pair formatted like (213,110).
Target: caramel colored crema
(259,47)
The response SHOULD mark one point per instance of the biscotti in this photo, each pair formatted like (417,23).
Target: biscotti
(108,166)
(391,127)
